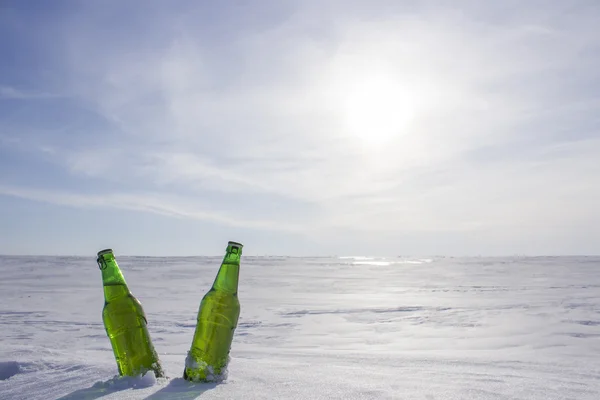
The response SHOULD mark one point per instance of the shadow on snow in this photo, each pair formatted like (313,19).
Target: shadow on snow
(180,389)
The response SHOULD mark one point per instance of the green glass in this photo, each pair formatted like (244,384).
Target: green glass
(217,319)
(125,322)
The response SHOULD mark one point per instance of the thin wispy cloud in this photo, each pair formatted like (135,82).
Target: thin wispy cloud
(11,93)
(334,119)
(170,206)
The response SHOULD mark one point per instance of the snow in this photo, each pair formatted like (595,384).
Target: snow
(191,363)
(315,328)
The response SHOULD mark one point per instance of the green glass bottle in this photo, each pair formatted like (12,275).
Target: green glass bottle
(217,319)
(125,322)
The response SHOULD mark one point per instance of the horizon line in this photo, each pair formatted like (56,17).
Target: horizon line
(314,256)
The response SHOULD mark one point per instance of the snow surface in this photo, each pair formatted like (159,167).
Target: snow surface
(316,328)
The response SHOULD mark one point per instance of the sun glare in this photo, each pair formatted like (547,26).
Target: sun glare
(376,108)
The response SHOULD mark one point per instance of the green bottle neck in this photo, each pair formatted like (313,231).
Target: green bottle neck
(112,278)
(228,275)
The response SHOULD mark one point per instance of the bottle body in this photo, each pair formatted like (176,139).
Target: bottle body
(125,323)
(217,319)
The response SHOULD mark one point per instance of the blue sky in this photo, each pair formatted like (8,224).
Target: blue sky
(300,127)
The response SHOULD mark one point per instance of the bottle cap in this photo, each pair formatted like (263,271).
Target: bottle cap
(235,244)
(105,251)
(101,260)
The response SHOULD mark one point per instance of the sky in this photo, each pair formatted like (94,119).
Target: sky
(300,127)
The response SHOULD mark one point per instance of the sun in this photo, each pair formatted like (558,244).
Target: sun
(375,108)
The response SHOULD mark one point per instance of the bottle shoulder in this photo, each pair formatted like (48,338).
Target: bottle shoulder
(215,293)
(127,301)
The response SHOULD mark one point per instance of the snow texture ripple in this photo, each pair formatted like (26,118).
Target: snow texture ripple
(316,328)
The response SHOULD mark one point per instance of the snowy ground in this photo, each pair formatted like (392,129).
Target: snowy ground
(316,328)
